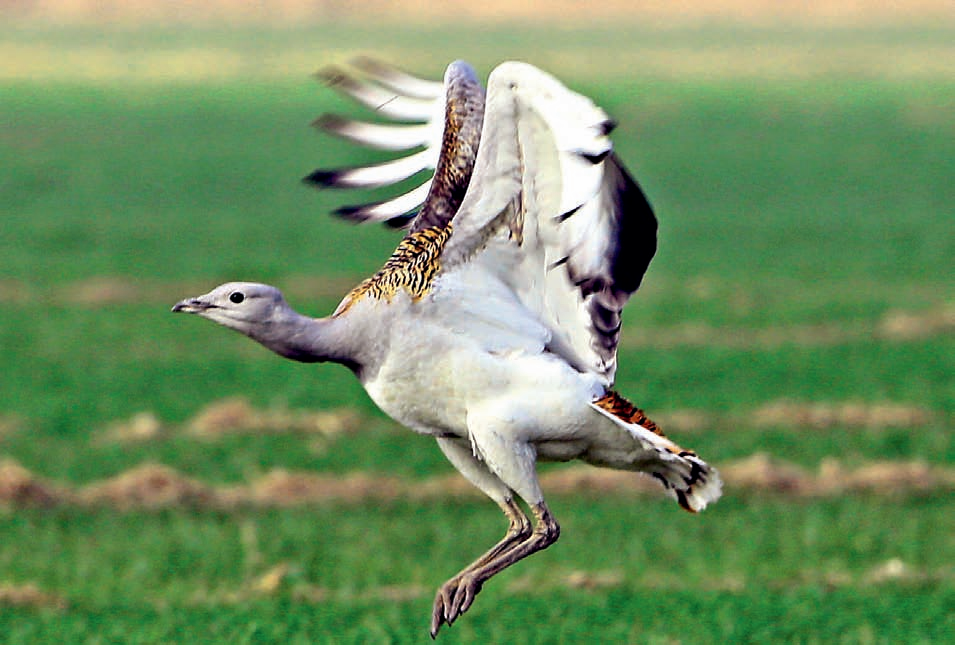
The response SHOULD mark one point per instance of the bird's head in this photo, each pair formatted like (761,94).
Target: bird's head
(241,306)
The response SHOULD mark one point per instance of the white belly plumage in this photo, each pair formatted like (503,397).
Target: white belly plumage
(445,390)
(545,401)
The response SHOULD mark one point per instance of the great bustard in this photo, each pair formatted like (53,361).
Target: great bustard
(494,325)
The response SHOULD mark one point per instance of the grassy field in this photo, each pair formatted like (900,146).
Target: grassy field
(801,305)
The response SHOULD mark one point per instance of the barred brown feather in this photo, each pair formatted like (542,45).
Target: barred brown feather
(411,268)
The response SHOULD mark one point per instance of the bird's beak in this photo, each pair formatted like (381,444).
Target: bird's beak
(191,306)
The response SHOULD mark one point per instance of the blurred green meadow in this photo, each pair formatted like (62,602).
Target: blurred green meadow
(807,256)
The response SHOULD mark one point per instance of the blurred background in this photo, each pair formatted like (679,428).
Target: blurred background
(163,481)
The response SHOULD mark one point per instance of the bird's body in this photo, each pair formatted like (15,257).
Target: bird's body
(494,326)
(455,375)
(436,371)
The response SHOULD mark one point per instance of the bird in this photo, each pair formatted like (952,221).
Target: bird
(494,325)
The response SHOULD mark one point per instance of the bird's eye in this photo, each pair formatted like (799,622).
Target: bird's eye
(236,297)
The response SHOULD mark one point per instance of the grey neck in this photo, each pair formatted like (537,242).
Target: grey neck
(307,340)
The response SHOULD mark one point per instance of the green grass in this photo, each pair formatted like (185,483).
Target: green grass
(784,204)
(916,616)
(795,573)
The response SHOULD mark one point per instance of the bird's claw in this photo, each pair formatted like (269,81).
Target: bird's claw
(453,599)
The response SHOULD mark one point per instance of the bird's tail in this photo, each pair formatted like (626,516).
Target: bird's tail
(688,479)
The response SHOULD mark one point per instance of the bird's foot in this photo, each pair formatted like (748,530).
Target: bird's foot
(453,599)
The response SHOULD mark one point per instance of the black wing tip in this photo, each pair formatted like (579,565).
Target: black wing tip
(331,123)
(361,213)
(401,221)
(324,178)
(328,120)
(358,213)
(335,77)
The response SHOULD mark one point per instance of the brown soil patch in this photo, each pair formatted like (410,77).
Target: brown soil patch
(21,488)
(29,595)
(149,486)
(906,325)
(680,421)
(765,474)
(883,478)
(591,580)
(574,579)
(233,416)
(443,487)
(595,481)
(237,415)
(846,415)
(104,290)
(284,488)
(154,486)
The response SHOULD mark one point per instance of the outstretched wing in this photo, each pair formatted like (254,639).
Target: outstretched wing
(551,212)
(428,114)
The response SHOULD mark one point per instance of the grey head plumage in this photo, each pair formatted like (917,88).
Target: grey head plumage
(241,306)
(261,312)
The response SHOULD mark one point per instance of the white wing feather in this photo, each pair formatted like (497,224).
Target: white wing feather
(549,211)
(380,136)
(386,101)
(546,191)
(399,97)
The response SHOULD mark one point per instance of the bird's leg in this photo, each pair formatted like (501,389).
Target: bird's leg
(457,595)
(518,531)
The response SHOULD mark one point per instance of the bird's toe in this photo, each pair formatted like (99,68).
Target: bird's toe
(467,588)
(441,612)
(453,599)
